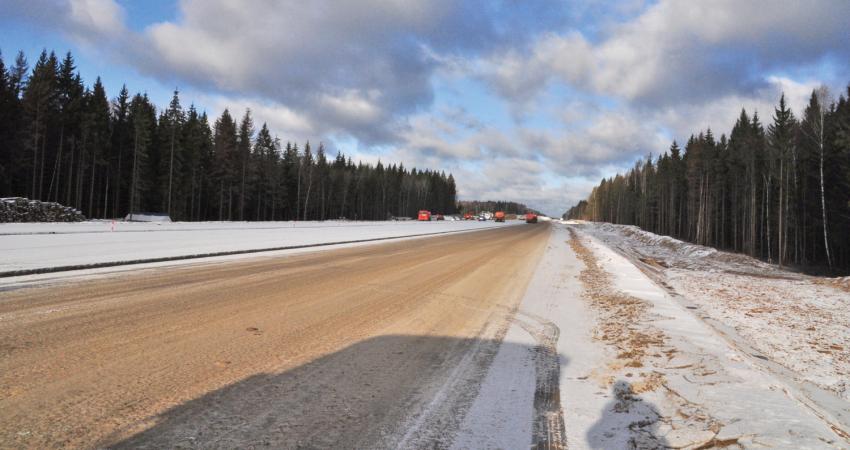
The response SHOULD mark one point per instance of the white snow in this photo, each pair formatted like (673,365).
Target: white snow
(39,245)
(739,399)
(501,416)
(800,322)
(556,294)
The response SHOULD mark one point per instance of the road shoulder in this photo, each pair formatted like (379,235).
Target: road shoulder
(702,389)
(541,389)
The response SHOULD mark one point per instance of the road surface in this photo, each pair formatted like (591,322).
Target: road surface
(380,345)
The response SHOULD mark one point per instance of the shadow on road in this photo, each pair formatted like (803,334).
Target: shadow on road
(627,421)
(366,395)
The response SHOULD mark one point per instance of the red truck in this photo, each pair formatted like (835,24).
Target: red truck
(530,218)
(499,216)
(424,216)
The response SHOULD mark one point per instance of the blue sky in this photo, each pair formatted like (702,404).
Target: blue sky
(526,101)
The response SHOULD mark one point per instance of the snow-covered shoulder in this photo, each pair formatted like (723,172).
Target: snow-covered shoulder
(707,389)
(797,322)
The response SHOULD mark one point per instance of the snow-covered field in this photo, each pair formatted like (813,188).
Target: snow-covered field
(27,246)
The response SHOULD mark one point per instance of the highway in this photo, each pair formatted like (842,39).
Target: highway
(376,345)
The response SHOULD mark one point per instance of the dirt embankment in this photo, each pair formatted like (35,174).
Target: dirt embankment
(327,349)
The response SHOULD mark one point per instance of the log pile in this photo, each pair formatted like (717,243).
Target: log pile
(18,209)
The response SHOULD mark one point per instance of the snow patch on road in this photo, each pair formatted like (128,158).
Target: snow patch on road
(501,415)
(504,414)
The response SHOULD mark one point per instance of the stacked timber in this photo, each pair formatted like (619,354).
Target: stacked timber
(19,209)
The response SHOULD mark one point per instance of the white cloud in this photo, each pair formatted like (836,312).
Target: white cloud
(102,17)
(678,51)
(359,67)
(87,22)
(286,123)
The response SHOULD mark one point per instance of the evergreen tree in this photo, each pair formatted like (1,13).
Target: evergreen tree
(244,144)
(40,106)
(143,119)
(65,141)
(171,124)
(96,136)
(9,109)
(779,195)
(226,162)
(121,155)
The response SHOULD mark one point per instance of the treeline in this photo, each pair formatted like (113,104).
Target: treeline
(63,141)
(780,193)
(475,207)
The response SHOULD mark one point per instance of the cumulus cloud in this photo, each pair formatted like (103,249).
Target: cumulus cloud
(529,182)
(678,51)
(88,22)
(101,17)
(359,67)
(285,122)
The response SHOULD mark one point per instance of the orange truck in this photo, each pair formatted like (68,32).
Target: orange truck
(499,216)
(424,216)
(530,218)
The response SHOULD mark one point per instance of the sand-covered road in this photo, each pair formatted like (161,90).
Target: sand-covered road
(380,345)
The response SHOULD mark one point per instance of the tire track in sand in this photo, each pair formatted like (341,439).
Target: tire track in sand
(548,429)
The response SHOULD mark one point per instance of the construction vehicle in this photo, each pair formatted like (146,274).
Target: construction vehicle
(499,216)
(424,216)
(530,218)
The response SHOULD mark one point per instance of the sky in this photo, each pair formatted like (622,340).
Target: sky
(531,101)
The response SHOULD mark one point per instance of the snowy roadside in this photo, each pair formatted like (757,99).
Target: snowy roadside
(634,369)
(690,385)
(536,391)
(26,247)
(797,321)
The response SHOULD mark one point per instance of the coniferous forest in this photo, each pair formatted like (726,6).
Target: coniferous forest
(66,142)
(780,191)
(477,206)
